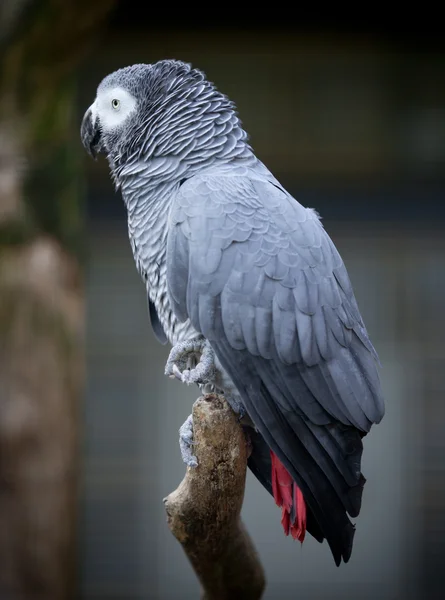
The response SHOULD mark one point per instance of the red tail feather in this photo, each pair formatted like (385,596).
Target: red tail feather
(288,495)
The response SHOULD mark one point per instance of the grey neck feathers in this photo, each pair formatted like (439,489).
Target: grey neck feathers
(186,132)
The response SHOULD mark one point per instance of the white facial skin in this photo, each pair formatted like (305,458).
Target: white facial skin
(112,106)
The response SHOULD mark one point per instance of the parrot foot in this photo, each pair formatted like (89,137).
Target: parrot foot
(186,442)
(192,361)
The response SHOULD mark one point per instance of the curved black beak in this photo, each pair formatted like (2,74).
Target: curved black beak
(90,134)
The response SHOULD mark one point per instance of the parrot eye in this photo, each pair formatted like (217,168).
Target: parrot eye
(115,103)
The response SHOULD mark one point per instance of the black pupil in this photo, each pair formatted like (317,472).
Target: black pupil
(115,103)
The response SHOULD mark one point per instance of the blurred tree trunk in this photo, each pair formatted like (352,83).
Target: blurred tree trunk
(41,291)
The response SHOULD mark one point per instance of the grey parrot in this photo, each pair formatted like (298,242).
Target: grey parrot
(247,286)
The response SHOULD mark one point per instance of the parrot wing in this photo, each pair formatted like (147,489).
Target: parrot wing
(259,277)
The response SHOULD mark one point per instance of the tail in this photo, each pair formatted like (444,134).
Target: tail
(297,515)
(289,497)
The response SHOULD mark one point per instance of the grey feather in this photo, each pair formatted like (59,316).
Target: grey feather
(156,324)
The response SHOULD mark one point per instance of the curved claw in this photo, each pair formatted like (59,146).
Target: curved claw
(176,372)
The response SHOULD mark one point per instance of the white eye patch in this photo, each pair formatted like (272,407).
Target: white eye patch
(113,106)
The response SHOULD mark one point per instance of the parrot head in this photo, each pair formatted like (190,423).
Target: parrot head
(143,109)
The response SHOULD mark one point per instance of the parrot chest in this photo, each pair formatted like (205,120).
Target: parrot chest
(147,229)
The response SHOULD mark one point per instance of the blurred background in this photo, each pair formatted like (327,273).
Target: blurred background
(352,122)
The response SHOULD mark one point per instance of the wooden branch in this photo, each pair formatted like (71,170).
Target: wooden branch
(203,513)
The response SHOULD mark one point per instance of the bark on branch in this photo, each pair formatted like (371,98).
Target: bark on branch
(203,513)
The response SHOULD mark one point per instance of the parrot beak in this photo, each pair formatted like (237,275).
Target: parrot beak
(90,133)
